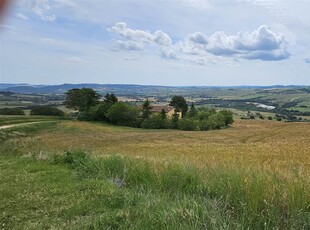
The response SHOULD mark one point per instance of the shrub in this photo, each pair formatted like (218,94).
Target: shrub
(123,114)
(227,116)
(216,121)
(204,113)
(12,111)
(188,124)
(204,125)
(156,121)
(270,118)
(46,111)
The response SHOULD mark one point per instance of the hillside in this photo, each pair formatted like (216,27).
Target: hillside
(71,174)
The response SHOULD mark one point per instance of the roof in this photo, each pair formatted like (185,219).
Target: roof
(159,108)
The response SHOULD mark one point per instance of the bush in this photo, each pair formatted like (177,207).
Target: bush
(204,113)
(216,121)
(123,114)
(188,124)
(12,111)
(270,118)
(46,111)
(227,116)
(155,122)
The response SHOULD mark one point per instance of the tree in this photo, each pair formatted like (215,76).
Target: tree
(179,103)
(46,111)
(175,120)
(146,110)
(81,99)
(123,114)
(227,116)
(163,114)
(110,98)
(204,113)
(12,111)
(188,124)
(192,111)
(155,122)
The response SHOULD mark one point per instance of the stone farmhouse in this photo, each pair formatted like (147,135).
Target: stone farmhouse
(169,110)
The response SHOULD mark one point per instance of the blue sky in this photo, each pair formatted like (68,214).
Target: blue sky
(157,42)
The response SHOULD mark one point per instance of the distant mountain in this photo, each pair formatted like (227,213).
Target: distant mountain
(101,88)
(126,89)
(5,86)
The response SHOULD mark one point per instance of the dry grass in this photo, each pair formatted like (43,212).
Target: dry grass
(276,147)
(254,175)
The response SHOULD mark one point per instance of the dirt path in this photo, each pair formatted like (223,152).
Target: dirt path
(14,125)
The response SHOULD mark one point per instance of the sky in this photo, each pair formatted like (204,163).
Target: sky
(156,42)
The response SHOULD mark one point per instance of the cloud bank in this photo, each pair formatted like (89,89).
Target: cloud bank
(261,44)
(41,8)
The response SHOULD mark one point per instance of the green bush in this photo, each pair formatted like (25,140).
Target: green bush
(46,111)
(227,116)
(123,114)
(155,121)
(188,124)
(12,111)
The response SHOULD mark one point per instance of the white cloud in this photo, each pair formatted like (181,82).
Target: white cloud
(42,8)
(129,45)
(198,38)
(21,16)
(169,54)
(141,36)
(161,38)
(75,59)
(262,44)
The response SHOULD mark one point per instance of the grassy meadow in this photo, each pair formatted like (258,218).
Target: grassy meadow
(67,174)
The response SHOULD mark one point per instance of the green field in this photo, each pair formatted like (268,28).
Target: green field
(66,174)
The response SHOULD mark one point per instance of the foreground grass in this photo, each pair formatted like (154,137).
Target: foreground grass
(252,176)
(75,191)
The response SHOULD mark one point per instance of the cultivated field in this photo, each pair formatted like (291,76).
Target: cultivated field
(254,175)
(264,145)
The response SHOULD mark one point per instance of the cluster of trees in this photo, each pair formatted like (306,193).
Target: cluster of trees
(12,111)
(46,111)
(110,110)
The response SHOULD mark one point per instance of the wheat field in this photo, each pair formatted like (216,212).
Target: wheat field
(253,175)
(283,148)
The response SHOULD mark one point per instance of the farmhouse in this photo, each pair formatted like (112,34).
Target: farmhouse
(169,110)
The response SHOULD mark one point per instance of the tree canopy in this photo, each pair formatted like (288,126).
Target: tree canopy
(146,109)
(123,114)
(179,103)
(46,111)
(81,99)
(110,98)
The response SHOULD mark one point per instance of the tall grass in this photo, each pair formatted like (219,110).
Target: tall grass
(253,177)
(240,200)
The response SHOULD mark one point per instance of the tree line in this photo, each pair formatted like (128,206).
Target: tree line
(91,108)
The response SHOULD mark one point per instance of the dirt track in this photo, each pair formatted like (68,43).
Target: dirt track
(14,125)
